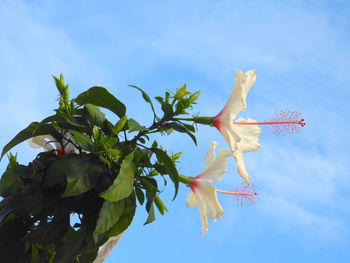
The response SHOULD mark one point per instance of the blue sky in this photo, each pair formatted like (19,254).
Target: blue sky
(300,50)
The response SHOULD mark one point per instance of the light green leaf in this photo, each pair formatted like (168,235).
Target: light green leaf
(123,185)
(96,117)
(99,96)
(126,217)
(109,214)
(119,125)
(160,205)
(84,141)
(135,126)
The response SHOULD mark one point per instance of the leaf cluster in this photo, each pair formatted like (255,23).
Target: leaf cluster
(101,181)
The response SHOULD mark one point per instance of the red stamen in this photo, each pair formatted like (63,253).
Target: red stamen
(282,122)
(244,193)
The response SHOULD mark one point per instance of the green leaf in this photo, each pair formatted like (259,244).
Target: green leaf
(140,195)
(168,110)
(180,128)
(123,185)
(109,214)
(119,125)
(194,96)
(80,172)
(96,117)
(113,154)
(149,184)
(135,126)
(146,98)
(10,182)
(77,122)
(180,93)
(109,142)
(151,216)
(95,133)
(99,96)
(160,205)
(31,131)
(126,217)
(84,141)
(171,169)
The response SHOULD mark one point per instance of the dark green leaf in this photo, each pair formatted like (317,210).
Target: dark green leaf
(165,159)
(31,131)
(123,185)
(96,117)
(10,182)
(145,97)
(84,141)
(189,127)
(149,184)
(180,128)
(134,126)
(109,214)
(81,175)
(140,195)
(168,110)
(151,216)
(99,96)
(77,122)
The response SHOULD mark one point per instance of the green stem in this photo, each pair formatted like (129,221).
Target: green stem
(201,120)
(184,179)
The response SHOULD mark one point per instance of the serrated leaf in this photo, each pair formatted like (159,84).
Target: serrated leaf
(171,169)
(123,185)
(31,131)
(109,214)
(135,126)
(84,141)
(99,96)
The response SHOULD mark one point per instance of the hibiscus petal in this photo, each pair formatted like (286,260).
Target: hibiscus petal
(210,155)
(39,141)
(249,135)
(217,168)
(106,248)
(206,194)
(237,100)
(191,199)
(241,167)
